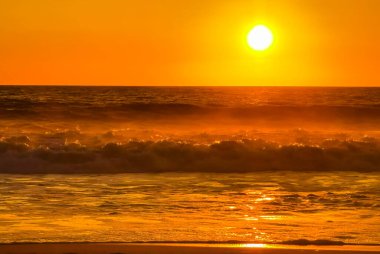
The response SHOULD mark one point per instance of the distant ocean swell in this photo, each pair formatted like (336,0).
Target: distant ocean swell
(285,115)
(257,106)
(17,156)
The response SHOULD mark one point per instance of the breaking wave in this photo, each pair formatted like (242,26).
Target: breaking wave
(17,155)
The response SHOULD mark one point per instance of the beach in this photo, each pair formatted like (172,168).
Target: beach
(118,248)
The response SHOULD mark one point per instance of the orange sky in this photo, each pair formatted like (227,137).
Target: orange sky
(189,42)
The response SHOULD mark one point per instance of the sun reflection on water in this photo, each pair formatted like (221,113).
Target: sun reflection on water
(254,245)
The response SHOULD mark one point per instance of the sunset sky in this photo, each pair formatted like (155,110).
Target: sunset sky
(189,42)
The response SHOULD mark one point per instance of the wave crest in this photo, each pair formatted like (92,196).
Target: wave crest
(17,155)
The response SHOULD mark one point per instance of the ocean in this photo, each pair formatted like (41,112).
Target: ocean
(189,164)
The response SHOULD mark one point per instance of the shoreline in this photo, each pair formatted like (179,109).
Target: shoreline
(174,248)
(298,242)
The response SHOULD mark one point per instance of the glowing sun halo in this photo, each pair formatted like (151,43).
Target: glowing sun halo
(260,38)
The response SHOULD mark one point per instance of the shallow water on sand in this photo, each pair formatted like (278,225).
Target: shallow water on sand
(257,207)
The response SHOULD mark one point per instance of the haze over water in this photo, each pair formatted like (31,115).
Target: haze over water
(292,163)
(145,129)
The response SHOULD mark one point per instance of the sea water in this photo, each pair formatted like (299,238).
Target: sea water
(260,164)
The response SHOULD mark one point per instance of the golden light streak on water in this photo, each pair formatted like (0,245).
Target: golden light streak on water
(255,245)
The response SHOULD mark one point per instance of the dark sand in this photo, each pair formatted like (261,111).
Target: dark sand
(114,248)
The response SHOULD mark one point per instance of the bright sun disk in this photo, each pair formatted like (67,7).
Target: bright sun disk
(260,38)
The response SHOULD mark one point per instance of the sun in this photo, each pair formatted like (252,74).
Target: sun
(260,38)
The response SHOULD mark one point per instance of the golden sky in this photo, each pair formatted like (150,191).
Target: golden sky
(189,42)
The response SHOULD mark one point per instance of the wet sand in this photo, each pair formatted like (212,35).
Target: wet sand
(114,248)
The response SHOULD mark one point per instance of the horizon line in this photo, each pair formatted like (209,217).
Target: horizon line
(177,86)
